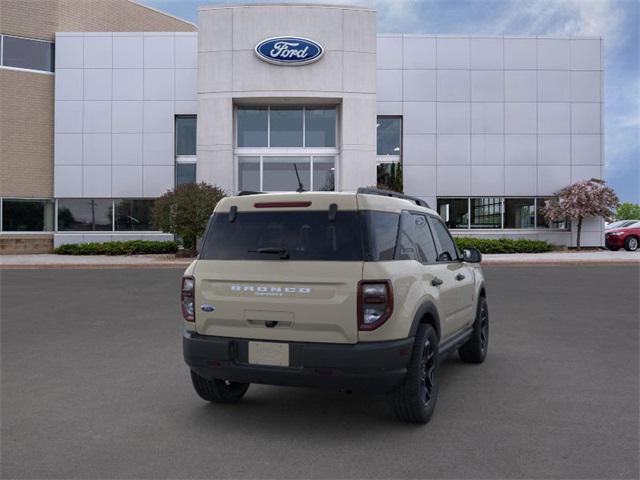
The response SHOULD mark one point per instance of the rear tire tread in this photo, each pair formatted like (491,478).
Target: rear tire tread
(407,398)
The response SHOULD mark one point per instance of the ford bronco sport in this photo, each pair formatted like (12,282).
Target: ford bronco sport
(354,291)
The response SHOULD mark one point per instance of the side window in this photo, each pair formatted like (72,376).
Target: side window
(415,241)
(379,232)
(447,250)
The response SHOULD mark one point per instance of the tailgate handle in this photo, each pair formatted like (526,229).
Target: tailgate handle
(270,323)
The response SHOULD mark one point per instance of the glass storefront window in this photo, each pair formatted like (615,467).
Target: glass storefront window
(185,173)
(320,127)
(27,215)
(286,125)
(389,133)
(519,213)
(26,53)
(253,125)
(279,173)
(324,170)
(186,135)
(389,176)
(249,174)
(486,212)
(542,222)
(454,212)
(84,214)
(133,215)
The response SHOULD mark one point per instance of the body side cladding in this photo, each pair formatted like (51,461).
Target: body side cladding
(427,313)
(482,291)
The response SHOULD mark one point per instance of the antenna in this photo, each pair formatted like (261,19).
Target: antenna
(300,185)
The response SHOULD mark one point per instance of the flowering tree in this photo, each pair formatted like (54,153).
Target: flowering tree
(586,198)
(186,210)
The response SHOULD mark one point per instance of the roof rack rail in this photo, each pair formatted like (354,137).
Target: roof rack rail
(389,193)
(249,192)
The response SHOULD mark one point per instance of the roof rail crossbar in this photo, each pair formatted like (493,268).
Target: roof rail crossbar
(389,193)
(249,192)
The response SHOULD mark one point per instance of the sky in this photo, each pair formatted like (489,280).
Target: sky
(617,21)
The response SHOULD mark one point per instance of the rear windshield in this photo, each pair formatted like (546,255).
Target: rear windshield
(293,235)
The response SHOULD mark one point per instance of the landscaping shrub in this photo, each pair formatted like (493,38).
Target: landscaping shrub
(132,247)
(504,245)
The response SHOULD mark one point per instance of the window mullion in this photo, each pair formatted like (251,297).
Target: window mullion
(261,174)
(311,173)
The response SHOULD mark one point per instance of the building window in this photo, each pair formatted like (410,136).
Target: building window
(26,53)
(519,213)
(186,135)
(27,215)
(320,127)
(283,148)
(486,212)
(253,126)
(389,153)
(454,212)
(186,160)
(271,173)
(85,215)
(286,127)
(389,136)
(133,215)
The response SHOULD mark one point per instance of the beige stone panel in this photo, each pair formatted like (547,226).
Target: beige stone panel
(42,18)
(26,134)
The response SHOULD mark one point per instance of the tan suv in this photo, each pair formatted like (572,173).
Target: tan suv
(357,291)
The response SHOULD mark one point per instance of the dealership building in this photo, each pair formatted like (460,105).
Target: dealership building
(107,105)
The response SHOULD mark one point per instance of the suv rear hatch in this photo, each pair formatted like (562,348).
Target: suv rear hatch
(281,267)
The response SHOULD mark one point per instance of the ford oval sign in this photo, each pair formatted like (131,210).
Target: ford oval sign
(289,51)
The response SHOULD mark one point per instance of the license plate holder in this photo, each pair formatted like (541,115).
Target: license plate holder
(272,354)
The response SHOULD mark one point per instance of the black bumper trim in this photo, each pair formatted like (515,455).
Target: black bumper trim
(365,366)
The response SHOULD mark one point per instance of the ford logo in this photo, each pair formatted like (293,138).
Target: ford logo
(207,308)
(289,51)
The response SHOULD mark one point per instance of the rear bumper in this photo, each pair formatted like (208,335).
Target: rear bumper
(370,367)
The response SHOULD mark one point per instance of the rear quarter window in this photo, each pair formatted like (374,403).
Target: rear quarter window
(379,234)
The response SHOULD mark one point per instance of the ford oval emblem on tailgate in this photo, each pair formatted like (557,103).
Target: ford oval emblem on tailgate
(207,308)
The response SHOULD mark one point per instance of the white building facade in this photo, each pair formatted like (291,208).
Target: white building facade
(484,128)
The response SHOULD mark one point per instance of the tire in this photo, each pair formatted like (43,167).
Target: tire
(414,401)
(475,349)
(631,243)
(218,391)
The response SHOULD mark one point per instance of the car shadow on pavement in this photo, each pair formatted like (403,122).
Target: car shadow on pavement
(292,410)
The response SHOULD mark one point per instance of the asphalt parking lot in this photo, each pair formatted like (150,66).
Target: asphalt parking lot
(94,386)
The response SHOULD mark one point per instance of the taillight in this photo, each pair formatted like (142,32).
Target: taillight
(186,299)
(375,303)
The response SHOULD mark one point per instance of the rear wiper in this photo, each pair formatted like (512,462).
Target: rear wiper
(283,252)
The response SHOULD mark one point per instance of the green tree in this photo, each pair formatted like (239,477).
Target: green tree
(628,211)
(186,210)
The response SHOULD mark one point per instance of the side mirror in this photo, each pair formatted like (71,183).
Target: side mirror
(471,255)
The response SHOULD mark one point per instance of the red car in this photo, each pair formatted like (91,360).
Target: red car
(627,237)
